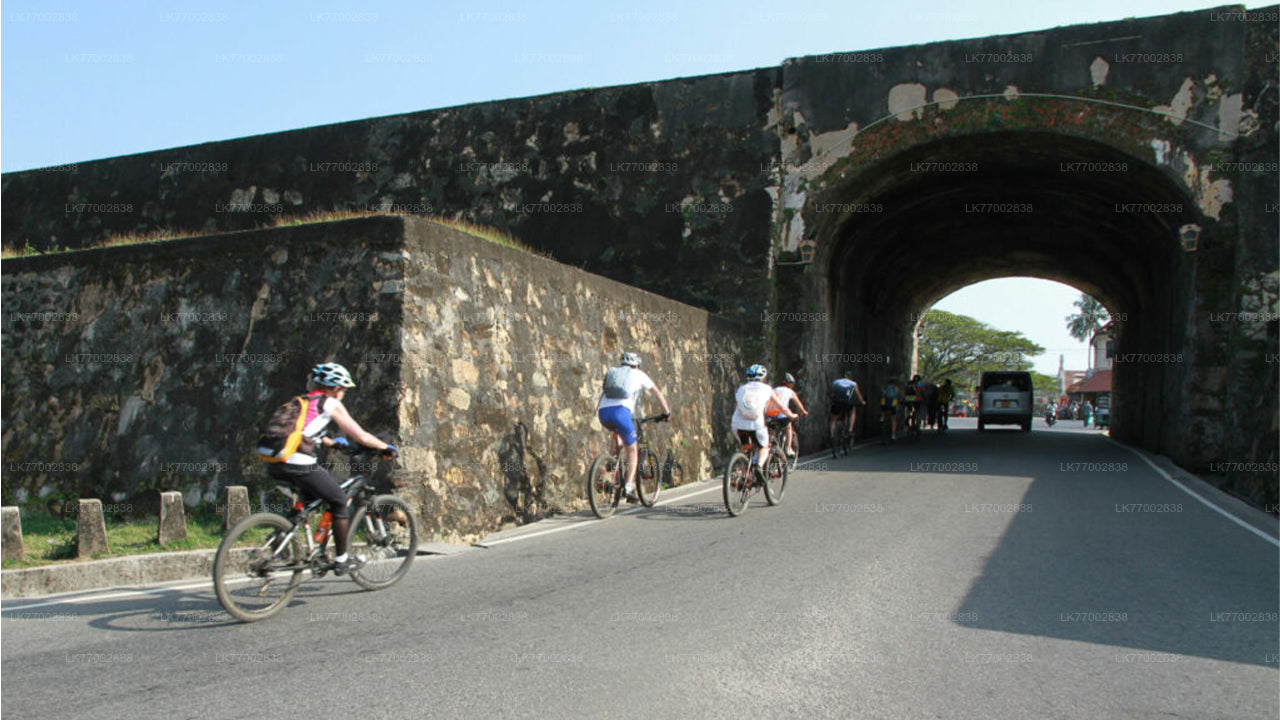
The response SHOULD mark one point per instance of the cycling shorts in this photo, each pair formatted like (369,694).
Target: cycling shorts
(760,435)
(618,419)
(314,482)
(839,408)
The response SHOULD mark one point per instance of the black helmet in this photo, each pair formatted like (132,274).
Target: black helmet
(847,374)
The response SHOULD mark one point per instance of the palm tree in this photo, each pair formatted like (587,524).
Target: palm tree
(1090,318)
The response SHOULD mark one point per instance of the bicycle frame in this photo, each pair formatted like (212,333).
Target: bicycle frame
(302,512)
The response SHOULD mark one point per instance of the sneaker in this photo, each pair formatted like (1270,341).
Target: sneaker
(351,564)
(629,492)
(791,453)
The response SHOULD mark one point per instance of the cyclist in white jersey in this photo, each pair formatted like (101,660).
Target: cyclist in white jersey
(754,398)
(329,383)
(616,414)
(787,392)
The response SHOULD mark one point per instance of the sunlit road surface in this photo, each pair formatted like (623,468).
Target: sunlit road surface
(1050,574)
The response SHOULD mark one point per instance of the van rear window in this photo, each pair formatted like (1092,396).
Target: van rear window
(1006,382)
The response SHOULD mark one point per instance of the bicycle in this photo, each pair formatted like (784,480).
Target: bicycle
(607,479)
(260,563)
(914,421)
(740,474)
(944,412)
(840,436)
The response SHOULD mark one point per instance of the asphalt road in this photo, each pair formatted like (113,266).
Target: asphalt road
(996,575)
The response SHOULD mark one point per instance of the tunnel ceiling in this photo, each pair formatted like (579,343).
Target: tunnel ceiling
(936,232)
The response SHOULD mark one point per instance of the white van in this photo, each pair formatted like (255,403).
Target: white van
(1005,398)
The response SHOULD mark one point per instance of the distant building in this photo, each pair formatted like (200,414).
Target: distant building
(1103,346)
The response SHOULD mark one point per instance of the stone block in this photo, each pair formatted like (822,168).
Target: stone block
(236,507)
(91,529)
(173,518)
(11,521)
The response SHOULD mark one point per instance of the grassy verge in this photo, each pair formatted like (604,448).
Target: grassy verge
(48,540)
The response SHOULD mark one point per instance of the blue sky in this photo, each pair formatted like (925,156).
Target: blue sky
(88,80)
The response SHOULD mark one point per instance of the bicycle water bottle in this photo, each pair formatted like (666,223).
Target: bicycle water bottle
(322,531)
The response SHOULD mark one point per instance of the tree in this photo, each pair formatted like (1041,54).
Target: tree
(1046,389)
(960,347)
(1090,318)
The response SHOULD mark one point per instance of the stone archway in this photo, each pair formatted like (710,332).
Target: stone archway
(911,227)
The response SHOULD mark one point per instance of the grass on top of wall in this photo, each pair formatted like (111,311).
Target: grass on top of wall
(484,232)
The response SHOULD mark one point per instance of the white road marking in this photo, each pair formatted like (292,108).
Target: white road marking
(112,596)
(1197,496)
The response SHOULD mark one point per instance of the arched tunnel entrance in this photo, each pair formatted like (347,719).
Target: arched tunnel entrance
(932,219)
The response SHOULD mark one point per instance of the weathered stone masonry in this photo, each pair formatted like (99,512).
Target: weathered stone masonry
(702,189)
(129,370)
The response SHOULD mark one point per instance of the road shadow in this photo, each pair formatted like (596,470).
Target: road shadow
(693,511)
(162,610)
(1124,559)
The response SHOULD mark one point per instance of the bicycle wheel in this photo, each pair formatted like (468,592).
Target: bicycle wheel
(775,477)
(835,443)
(604,485)
(845,438)
(258,566)
(737,484)
(648,478)
(385,534)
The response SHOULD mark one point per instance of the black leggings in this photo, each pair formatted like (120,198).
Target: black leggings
(315,481)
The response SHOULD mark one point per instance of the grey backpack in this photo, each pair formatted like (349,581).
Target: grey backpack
(615,383)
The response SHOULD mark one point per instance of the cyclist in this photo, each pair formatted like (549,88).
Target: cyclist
(890,399)
(622,386)
(786,391)
(913,396)
(326,388)
(754,398)
(946,393)
(843,390)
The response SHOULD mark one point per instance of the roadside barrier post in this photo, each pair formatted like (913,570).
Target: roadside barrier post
(11,521)
(173,518)
(236,507)
(91,529)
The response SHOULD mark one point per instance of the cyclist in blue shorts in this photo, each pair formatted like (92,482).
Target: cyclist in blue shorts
(622,386)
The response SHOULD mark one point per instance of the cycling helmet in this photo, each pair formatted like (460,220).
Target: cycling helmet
(788,379)
(756,372)
(848,374)
(631,359)
(331,375)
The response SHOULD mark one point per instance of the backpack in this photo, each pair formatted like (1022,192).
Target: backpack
(615,383)
(843,393)
(282,431)
(891,392)
(752,406)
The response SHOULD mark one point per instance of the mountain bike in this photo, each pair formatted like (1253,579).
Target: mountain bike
(741,480)
(840,437)
(262,560)
(607,477)
(914,420)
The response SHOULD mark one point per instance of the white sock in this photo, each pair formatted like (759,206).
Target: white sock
(341,558)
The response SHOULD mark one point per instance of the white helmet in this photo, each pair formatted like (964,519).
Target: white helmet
(331,375)
(631,359)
